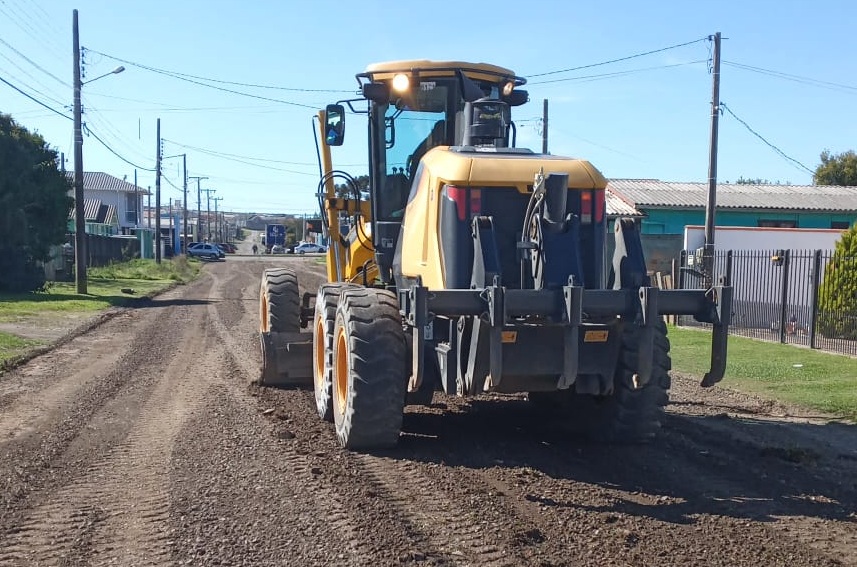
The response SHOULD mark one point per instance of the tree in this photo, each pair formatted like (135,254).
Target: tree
(837,296)
(34,206)
(345,191)
(758,181)
(838,169)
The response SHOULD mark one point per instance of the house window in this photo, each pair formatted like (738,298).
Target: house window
(131,208)
(841,225)
(777,223)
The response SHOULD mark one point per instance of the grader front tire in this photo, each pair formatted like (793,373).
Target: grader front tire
(369,369)
(322,346)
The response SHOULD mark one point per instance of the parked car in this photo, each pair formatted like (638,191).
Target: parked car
(309,248)
(205,250)
(277,249)
(226,247)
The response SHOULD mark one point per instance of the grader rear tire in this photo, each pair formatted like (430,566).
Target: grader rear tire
(322,346)
(369,369)
(629,415)
(279,311)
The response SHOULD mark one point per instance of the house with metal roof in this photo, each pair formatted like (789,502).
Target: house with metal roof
(666,207)
(110,201)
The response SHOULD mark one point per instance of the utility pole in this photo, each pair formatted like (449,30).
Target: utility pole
(217,224)
(708,250)
(184,212)
(545,127)
(136,202)
(79,214)
(149,207)
(158,197)
(198,205)
(208,193)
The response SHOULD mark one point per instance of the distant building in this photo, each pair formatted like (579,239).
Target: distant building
(666,207)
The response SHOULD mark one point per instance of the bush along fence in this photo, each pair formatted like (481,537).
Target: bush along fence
(806,297)
(100,251)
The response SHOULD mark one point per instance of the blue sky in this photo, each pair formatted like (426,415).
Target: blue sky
(646,117)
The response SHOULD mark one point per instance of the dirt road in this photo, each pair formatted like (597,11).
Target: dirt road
(140,443)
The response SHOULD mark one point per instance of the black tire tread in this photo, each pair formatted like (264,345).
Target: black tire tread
(326,302)
(376,353)
(280,286)
(628,415)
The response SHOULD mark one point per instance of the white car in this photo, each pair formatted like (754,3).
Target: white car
(309,248)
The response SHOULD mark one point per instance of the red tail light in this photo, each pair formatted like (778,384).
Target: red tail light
(586,207)
(475,202)
(465,207)
(600,205)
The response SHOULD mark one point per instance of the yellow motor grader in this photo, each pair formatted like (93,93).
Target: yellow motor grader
(470,265)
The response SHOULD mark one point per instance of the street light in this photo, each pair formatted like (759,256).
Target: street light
(115,71)
(79,218)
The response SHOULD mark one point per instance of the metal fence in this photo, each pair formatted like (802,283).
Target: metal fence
(806,297)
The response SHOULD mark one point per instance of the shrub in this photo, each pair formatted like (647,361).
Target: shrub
(837,297)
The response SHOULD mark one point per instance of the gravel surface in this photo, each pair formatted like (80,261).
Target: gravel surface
(142,442)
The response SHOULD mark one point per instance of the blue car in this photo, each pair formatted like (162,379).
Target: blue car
(205,250)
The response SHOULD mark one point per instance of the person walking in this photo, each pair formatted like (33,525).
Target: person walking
(255,249)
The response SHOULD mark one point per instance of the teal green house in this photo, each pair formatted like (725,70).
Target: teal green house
(665,207)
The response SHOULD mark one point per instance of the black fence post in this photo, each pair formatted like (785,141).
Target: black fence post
(728,278)
(816,282)
(681,270)
(784,297)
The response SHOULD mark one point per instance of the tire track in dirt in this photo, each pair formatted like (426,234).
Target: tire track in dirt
(65,438)
(116,507)
(242,364)
(30,395)
(448,524)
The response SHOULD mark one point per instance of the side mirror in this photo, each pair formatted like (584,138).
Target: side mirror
(334,127)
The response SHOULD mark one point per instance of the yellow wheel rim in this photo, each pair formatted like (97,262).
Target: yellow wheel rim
(341,370)
(320,342)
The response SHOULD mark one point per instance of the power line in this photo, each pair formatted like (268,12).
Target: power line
(237,160)
(40,37)
(111,132)
(587,78)
(174,186)
(36,65)
(769,144)
(88,130)
(114,152)
(37,101)
(636,55)
(224,154)
(790,77)
(187,76)
(37,81)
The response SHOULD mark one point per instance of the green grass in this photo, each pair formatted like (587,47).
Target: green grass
(11,346)
(104,287)
(810,378)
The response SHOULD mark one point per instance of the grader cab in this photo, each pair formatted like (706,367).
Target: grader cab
(471,265)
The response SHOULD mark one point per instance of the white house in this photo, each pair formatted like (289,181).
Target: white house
(112,194)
